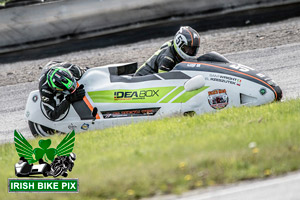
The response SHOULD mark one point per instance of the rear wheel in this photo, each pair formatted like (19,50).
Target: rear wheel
(40,130)
(46,170)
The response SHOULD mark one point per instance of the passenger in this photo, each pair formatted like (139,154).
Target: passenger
(58,87)
(184,46)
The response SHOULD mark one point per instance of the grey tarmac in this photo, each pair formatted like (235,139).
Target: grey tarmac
(284,187)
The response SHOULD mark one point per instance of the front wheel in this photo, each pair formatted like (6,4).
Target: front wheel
(40,130)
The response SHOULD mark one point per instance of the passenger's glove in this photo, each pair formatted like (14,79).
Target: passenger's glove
(77,95)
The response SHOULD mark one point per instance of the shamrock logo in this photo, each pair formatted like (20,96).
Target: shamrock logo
(41,152)
(24,149)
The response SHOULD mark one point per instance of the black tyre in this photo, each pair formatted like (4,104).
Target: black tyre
(46,170)
(40,130)
(65,174)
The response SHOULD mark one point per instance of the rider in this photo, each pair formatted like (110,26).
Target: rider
(58,87)
(185,45)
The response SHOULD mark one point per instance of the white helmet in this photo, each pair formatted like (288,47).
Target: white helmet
(187,42)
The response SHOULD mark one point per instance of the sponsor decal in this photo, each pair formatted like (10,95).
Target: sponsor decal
(61,161)
(246,69)
(85,126)
(146,95)
(35,98)
(224,79)
(218,99)
(262,91)
(72,126)
(267,79)
(135,95)
(130,113)
(193,65)
(272,83)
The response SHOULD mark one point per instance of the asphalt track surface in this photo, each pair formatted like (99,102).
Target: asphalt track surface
(280,188)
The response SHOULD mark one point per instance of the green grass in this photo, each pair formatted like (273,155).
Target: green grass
(3,2)
(177,154)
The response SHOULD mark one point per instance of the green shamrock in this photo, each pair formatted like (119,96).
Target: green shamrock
(40,152)
(25,150)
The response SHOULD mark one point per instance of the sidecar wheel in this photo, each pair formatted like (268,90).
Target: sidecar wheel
(39,130)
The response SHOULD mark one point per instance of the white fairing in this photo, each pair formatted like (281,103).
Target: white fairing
(18,167)
(201,92)
(38,168)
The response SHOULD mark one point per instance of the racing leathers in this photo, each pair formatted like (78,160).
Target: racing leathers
(161,61)
(55,103)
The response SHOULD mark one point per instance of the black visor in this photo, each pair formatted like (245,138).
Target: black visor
(191,51)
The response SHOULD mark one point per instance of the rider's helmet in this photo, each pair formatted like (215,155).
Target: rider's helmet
(61,80)
(72,156)
(187,42)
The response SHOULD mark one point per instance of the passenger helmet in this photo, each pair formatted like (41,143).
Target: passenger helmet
(61,79)
(187,42)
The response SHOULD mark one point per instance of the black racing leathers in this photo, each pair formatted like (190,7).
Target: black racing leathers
(53,102)
(161,61)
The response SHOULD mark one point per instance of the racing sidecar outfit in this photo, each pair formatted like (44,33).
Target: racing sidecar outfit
(53,102)
(161,61)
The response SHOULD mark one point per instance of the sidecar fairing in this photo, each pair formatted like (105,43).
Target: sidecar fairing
(23,168)
(121,98)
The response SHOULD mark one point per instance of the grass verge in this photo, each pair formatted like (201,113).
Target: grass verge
(3,2)
(176,154)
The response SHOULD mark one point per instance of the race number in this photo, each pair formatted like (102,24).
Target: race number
(179,40)
(241,68)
